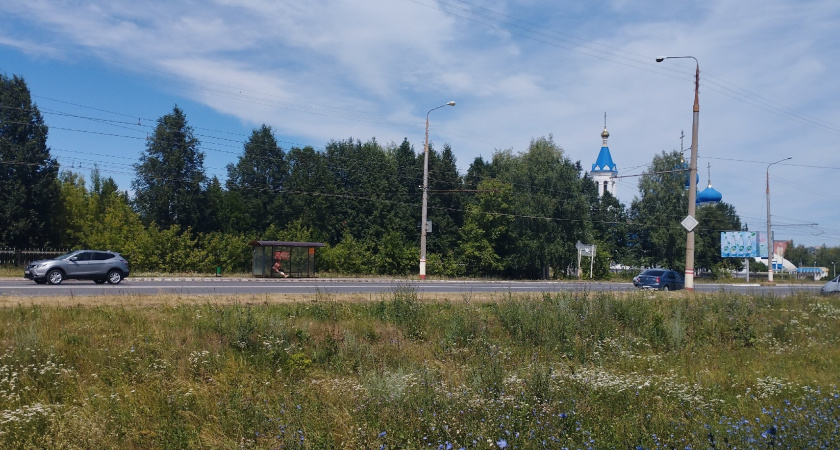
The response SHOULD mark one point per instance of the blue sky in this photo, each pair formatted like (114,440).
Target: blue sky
(103,71)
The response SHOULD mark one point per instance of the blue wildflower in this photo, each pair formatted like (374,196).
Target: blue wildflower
(502,443)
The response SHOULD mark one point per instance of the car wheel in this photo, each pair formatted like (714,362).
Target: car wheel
(115,276)
(101,281)
(40,281)
(55,276)
(666,288)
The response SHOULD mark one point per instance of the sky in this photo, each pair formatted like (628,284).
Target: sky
(102,72)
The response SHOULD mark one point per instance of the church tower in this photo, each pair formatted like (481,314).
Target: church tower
(604,170)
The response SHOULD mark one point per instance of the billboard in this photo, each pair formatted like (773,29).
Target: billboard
(762,245)
(738,244)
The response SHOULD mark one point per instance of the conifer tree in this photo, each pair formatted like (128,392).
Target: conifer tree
(28,174)
(170,177)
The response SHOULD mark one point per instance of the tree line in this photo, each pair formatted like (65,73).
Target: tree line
(515,215)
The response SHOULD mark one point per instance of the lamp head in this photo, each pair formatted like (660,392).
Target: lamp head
(660,59)
(450,104)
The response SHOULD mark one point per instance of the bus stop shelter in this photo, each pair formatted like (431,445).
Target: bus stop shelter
(295,259)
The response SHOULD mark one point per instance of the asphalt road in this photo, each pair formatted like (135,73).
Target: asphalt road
(227,286)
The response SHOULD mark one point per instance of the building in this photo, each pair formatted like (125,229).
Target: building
(604,170)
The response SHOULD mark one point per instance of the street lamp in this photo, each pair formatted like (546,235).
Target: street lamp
(424,215)
(770,249)
(833,270)
(692,174)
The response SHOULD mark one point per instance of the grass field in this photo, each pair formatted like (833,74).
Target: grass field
(576,370)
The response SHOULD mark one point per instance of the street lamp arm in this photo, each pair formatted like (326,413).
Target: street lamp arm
(696,77)
(438,107)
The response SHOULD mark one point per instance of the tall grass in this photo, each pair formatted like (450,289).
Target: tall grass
(574,370)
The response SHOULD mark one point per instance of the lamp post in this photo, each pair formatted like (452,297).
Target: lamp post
(692,175)
(833,270)
(770,249)
(424,215)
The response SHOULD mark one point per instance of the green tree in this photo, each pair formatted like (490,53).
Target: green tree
(609,223)
(445,205)
(486,234)
(75,211)
(409,177)
(551,211)
(256,179)
(657,238)
(800,255)
(365,178)
(227,210)
(28,174)
(310,194)
(170,178)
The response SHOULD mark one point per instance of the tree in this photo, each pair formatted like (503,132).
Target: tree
(28,174)
(170,177)
(551,211)
(74,214)
(309,194)
(609,222)
(228,212)
(257,179)
(365,178)
(409,176)
(657,238)
(444,201)
(486,233)
(800,255)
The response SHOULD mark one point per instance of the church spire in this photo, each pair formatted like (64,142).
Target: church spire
(604,170)
(605,134)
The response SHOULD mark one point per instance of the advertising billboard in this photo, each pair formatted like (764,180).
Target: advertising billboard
(738,244)
(762,245)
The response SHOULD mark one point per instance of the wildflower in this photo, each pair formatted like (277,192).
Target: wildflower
(382,434)
(502,443)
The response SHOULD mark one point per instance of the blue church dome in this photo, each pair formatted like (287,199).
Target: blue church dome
(709,195)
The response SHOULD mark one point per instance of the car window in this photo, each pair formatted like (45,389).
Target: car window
(653,273)
(84,256)
(102,256)
(65,256)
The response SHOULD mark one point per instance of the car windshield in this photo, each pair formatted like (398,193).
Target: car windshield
(65,256)
(653,272)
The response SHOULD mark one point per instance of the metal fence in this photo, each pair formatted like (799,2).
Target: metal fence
(23,256)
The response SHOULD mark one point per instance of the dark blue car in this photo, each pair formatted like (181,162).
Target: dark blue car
(662,279)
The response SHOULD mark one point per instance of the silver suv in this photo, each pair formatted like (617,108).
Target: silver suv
(82,265)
